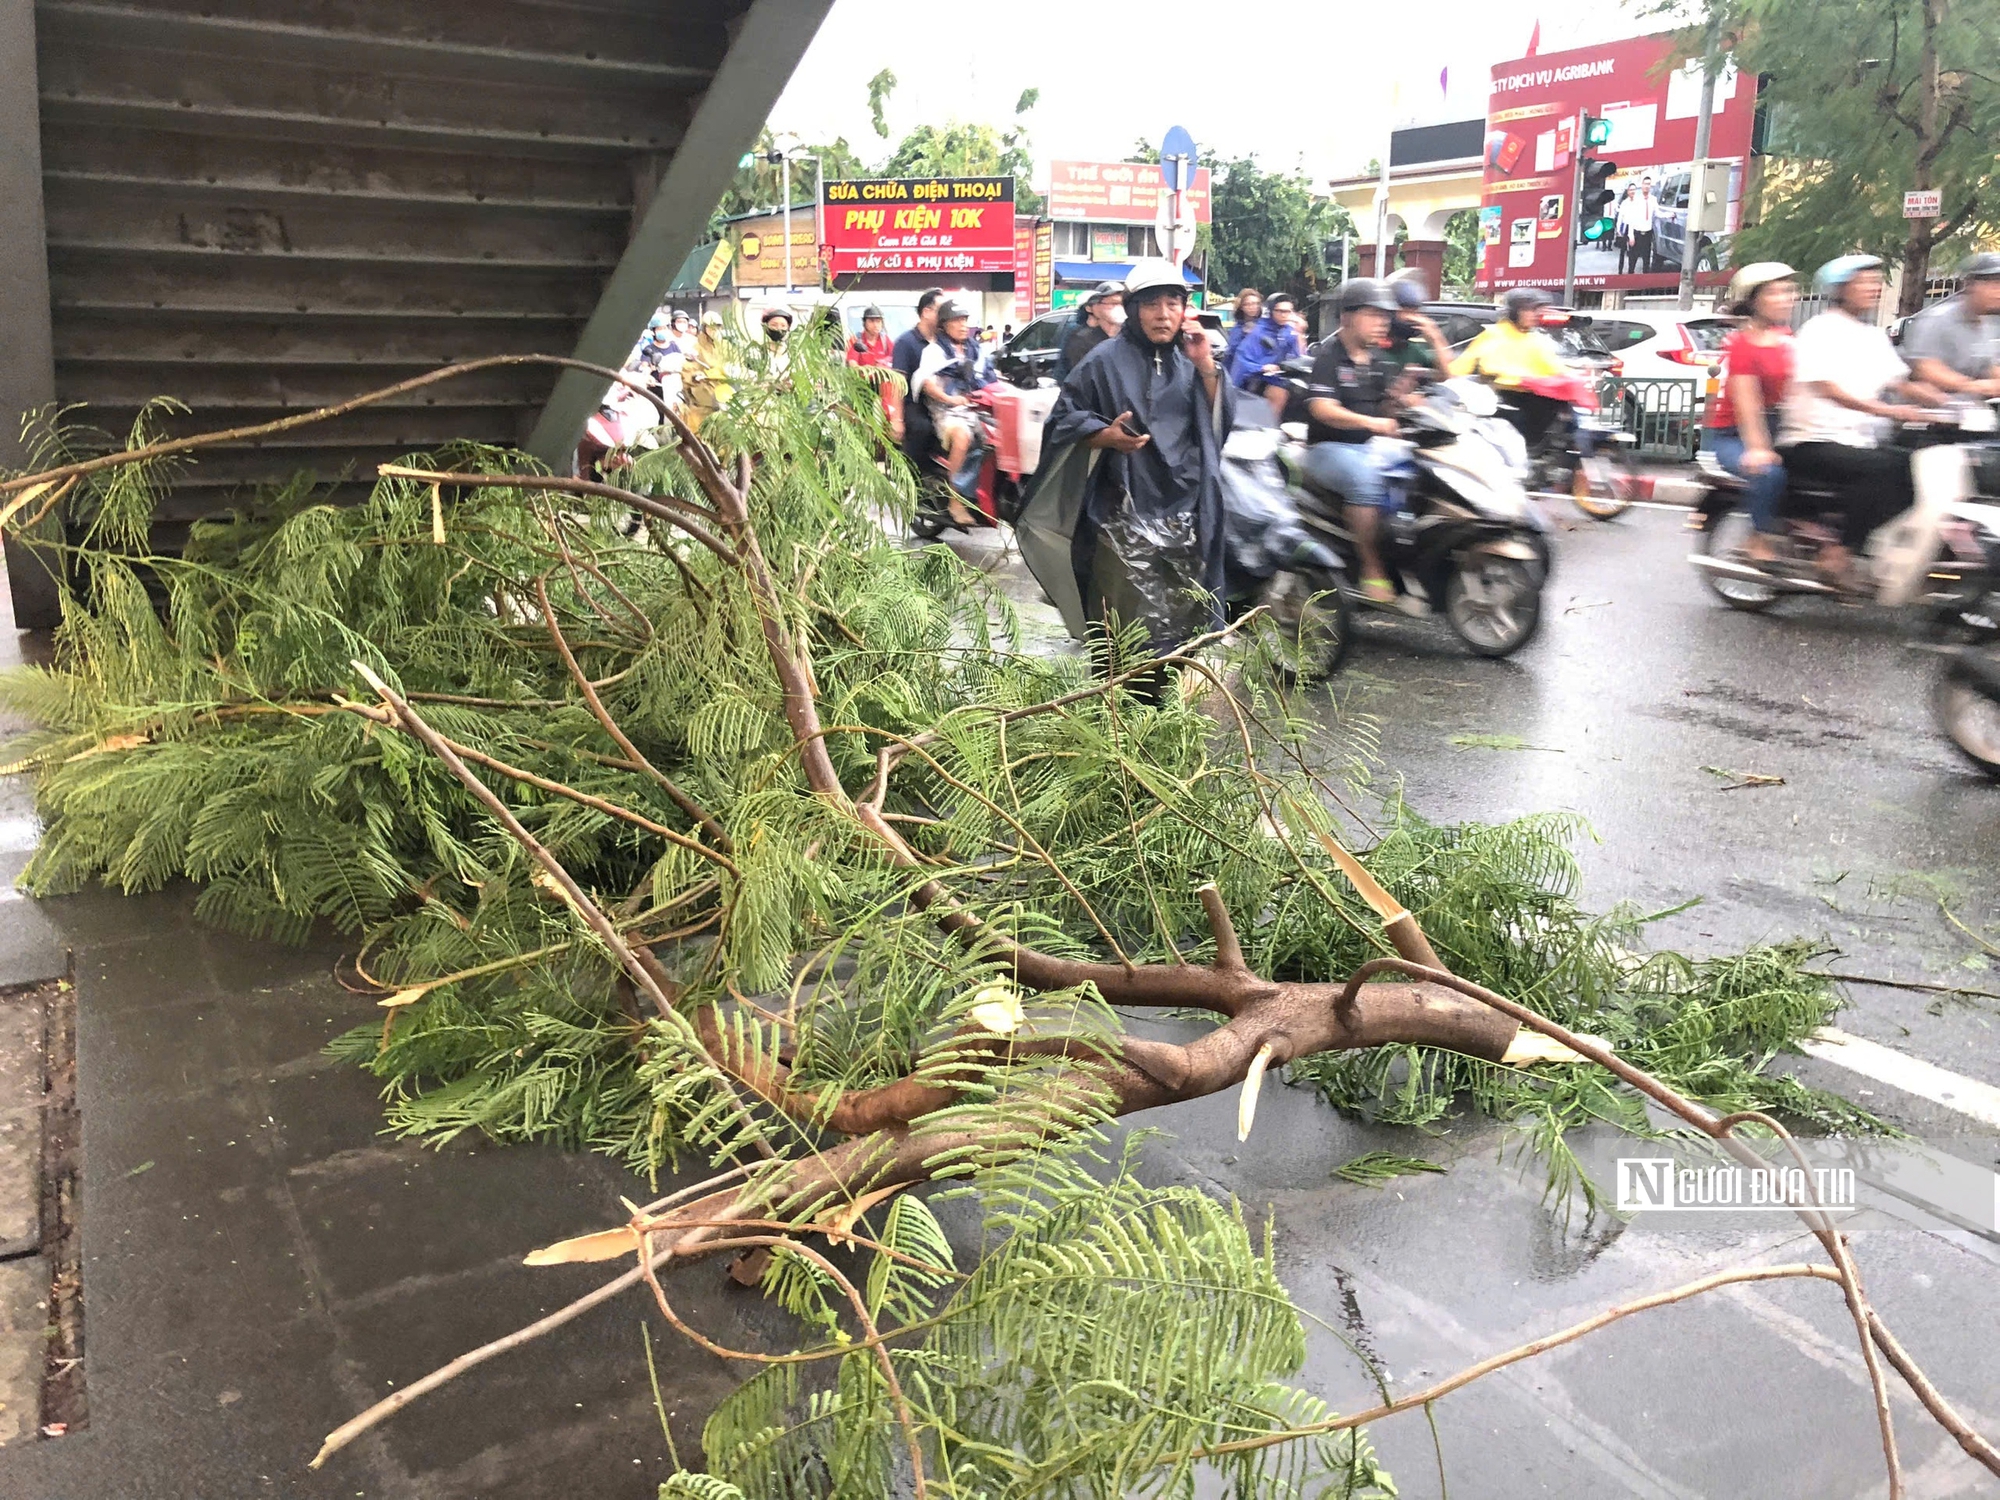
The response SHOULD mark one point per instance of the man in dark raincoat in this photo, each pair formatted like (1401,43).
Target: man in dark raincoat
(1155,406)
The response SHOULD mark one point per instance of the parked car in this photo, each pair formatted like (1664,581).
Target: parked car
(1663,343)
(1032,351)
(1574,332)
(1670,228)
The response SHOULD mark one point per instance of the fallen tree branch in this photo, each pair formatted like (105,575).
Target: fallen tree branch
(1514,1356)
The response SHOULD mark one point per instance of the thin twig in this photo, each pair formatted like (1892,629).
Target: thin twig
(169,446)
(701,816)
(1500,1361)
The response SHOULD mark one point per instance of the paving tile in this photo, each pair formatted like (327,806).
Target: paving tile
(21,1085)
(24,1287)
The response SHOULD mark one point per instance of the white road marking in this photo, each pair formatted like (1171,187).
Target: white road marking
(1899,1070)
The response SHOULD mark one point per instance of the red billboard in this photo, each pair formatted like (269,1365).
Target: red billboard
(1115,192)
(920,224)
(1528,209)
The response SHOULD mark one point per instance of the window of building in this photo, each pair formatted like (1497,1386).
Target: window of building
(1140,240)
(1072,240)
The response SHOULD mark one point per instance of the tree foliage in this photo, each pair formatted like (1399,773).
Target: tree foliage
(1866,99)
(1270,229)
(707,722)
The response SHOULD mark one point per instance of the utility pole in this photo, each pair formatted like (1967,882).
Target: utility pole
(785,192)
(1710,65)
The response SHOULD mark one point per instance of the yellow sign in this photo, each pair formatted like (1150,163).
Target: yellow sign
(717,264)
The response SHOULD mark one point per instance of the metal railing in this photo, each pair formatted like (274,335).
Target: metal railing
(1661,414)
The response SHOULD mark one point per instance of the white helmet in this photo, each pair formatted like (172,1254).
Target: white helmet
(1149,275)
(1745,284)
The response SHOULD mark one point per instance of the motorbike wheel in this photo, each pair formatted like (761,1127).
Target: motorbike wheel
(1313,611)
(1966,705)
(1493,604)
(1605,484)
(1724,535)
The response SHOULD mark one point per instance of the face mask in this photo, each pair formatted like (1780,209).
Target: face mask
(1115,316)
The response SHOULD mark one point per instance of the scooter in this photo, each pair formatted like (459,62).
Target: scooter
(1941,556)
(1463,539)
(1575,447)
(1966,704)
(1271,559)
(624,420)
(1005,451)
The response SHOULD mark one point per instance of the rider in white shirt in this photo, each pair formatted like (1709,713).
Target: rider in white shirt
(1837,414)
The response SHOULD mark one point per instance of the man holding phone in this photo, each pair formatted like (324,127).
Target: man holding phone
(1155,406)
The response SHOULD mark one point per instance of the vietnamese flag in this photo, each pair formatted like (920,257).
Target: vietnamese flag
(1535,38)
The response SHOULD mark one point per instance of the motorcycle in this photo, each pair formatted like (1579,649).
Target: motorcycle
(1006,448)
(1942,555)
(1463,540)
(1271,559)
(1966,704)
(624,420)
(1575,447)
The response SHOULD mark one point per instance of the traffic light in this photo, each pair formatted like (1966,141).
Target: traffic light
(1596,131)
(1593,203)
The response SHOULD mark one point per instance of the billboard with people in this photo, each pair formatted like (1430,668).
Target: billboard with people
(1528,209)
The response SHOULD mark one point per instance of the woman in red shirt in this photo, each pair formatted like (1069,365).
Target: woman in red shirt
(1756,368)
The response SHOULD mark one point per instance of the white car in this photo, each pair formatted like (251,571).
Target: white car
(1664,344)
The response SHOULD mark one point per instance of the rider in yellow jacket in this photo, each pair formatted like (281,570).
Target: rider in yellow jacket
(1513,348)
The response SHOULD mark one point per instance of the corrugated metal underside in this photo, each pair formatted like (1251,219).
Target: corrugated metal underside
(261,206)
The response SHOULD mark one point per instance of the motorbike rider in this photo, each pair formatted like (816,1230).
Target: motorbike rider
(1415,341)
(709,373)
(1243,317)
(952,370)
(1848,386)
(1269,343)
(1512,350)
(1103,314)
(904,357)
(870,350)
(1955,346)
(1348,402)
(1757,368)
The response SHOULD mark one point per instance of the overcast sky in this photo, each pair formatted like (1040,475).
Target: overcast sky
(1312,86)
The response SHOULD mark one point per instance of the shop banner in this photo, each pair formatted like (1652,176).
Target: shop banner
(1024,272)
(1531,136)
(1115,192)
(1045,265)
(920,224)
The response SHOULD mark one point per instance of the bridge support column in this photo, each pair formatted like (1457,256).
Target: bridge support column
(27,352)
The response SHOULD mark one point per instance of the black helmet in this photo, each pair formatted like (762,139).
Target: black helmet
(1366,291)
(1524,299)
(1102,290)
(1985,266)
(870,311)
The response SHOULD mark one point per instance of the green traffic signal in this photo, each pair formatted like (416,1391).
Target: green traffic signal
(1596,132)
(1597,230)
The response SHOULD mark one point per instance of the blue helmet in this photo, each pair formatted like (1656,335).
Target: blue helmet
(1842,269)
